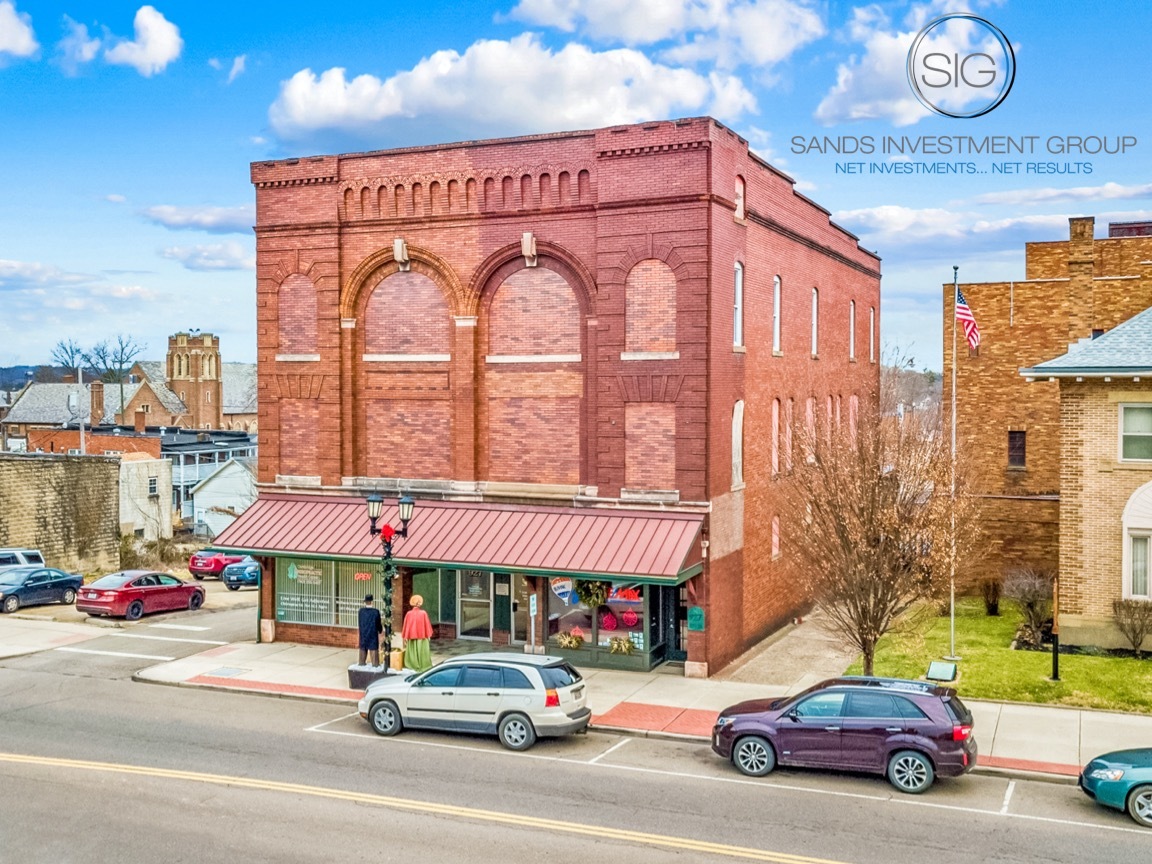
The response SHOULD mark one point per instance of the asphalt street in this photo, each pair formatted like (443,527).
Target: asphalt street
(95,767)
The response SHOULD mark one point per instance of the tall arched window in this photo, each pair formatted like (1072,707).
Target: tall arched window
(788,435)
(776,314)
(738,305)
(810,429)
(851,329)
(815,319)
(739,196)
(775,436)
(738,444)
(775,536)
(871,334)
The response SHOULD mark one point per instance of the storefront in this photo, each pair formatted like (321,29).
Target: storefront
(529,584)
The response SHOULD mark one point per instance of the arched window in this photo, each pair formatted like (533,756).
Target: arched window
(738,305)
(853,414)
(775,536)
(851,329)
(775,436)
(788,435)
(738,444)
(1137,525)
(739,197)
(776,314)
(815,319)
(871,334)
(810,429)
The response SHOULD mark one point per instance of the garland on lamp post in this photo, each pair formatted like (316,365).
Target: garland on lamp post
(387,535)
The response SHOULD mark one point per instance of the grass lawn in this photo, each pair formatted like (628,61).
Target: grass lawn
(989,669)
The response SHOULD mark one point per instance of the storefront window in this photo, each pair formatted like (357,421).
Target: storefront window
(623,616)
(323,593)
(568,618)
(570,621)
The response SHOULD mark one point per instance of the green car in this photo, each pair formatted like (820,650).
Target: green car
(1123,780)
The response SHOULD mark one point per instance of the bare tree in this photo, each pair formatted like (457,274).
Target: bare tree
(113,359)
(877,528)
(1031,588)
(68,354)
(1133,617)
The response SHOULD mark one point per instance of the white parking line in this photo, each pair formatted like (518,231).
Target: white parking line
(166,638)
(1007,796)
(615,746)
(179,627)
(114,654)
(760,784)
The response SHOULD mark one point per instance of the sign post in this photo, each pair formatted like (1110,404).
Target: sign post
(532,616)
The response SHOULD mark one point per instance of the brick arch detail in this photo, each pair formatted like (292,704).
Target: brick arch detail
(507,260)
(381,264)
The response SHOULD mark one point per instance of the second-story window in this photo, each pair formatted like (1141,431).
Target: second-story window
(851,329)
(738,305)
(1017,449)
(776,314)
(815,320)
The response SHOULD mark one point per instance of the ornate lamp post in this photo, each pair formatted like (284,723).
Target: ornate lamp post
(387,534)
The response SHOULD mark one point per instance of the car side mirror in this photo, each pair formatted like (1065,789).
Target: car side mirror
(793,716)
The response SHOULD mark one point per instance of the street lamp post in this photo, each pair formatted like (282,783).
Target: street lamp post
(387,534)
(1056,627)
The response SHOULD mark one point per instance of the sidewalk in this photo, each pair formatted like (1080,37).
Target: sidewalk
(1016,739)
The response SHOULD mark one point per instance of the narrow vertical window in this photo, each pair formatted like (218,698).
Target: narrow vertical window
(815,319)
(738,305)
(776,314)
(775,436)
(1017,449)
(871,334)
(775,536)
(1139,576)
(851,329)
(739,197)
(810,429)
(738,444)
(788,435)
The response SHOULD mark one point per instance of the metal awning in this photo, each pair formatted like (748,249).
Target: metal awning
(633,545)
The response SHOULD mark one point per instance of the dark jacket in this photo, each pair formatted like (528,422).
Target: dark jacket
(371,626)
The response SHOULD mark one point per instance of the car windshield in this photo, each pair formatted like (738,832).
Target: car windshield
(12,577)
(112,580)
(560,675)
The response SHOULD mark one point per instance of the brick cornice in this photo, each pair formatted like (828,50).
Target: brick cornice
(650,149)
(783,230)
(296,181)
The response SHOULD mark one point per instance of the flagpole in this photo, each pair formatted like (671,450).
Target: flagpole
(952,502)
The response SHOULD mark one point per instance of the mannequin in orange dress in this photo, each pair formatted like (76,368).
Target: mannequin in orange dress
(416,632)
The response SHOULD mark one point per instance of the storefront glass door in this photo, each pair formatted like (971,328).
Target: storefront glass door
(521,624)
(475,605)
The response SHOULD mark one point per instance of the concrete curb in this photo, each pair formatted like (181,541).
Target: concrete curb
(304,697)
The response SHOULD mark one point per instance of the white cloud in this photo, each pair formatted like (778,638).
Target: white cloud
(32,275)
(215,63)
(126,292)
(115,198)
(213,256)
(77,48)
(16,35)
(214,220)
(538,89)
(237,68)
(1046,195)
(157,44)
(761,32)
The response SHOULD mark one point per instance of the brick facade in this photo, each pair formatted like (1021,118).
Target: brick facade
(589,363)
(1072,290)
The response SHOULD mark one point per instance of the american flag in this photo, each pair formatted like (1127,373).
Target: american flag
(964,316)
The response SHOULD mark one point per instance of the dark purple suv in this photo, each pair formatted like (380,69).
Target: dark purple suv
(910,731)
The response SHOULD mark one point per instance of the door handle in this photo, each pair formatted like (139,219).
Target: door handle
(445,692)
(893,729)
(493,693)
(831,728)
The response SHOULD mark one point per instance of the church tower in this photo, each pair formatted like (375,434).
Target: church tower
(194,374)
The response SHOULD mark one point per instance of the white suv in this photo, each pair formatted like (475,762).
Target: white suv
(515,697)
(20,557)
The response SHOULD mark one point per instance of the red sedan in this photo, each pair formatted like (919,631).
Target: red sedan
(211,564)
(131,593)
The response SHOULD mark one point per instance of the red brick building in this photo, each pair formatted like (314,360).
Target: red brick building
(626,321)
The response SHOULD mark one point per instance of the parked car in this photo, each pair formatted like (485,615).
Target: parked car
(515,697)
(32,586)
(203,564)
(20,557)
(246,571)
(132,593)
(1122,779)
(911,731)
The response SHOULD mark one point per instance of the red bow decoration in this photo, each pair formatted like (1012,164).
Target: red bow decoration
(387,532)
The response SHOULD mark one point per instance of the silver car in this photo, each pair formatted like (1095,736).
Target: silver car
(516,697)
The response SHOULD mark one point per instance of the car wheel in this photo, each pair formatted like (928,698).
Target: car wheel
(134,611)
(199,577)
(196,601)
(232,587)
(385,717)
(516,732)
(1140,805)
(69,596)
(910,771)
(11,603)
(754,756)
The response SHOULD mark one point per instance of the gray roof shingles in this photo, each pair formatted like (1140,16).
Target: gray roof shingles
(1126,348)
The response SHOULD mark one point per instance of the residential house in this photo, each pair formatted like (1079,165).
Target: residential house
(224,494)
(145,496)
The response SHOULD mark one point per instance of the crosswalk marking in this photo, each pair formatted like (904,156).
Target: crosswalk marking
(114,654)
(180,627)
(167,638)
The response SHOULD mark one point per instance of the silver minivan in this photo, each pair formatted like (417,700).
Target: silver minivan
(20,557)
(517,698)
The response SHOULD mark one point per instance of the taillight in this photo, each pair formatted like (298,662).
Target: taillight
(551,699)
(961,732)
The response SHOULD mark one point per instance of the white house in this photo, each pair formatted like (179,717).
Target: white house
(145,496)
(224,494)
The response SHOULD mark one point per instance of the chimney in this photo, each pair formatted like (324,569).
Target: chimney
(1081,315)
(141,421)
(96,409)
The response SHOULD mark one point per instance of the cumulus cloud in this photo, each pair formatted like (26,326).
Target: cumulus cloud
(157,44)
(32,275)
(115,198)
(77,47)
(539,89)
(1046,195)
(214,220)
(213,256)
(16,35)
(762,33)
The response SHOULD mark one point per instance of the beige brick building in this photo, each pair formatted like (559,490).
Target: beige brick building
(1010,430)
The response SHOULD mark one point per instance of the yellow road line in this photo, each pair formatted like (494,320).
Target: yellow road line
(411,805)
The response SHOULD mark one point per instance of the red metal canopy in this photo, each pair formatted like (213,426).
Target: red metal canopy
(638,545)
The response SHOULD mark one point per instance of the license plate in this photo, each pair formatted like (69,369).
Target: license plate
(577,691)
(90,594)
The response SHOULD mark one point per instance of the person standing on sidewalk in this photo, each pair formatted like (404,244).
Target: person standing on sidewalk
(417,631)
(371,626)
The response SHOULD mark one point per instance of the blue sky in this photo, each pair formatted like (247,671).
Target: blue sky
(127,131)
